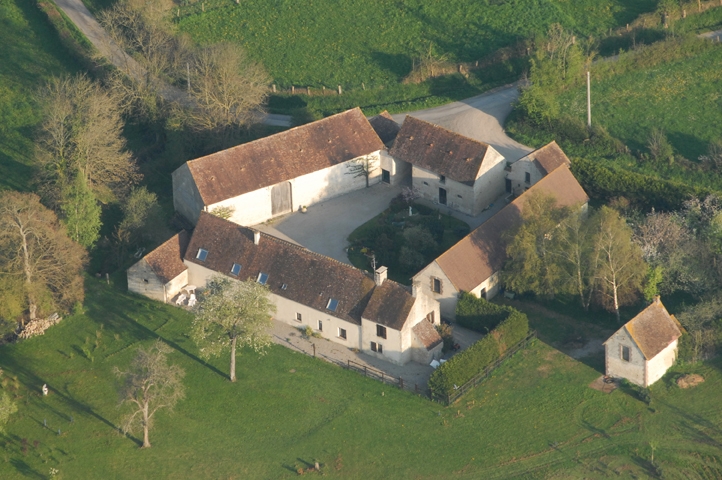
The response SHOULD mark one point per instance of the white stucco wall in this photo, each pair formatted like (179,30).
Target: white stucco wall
(519,169)
(448,297)
(491,284)
(634,369)
(398,169)
(143,280)
(459,197)
(392,344)
(658,366)
(490,184)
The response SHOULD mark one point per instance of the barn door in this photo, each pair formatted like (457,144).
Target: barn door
(281,198)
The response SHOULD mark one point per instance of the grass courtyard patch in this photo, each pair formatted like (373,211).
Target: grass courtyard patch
(404,243)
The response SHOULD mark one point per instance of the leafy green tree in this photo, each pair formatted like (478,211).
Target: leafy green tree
(7,408)
(232,314)
(81,212)
(576,255)
(654,277)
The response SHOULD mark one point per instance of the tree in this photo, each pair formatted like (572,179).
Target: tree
(621,269)
(576,255)
(659,147)
(142,223)
(531,265)
(232,314)
(35,248)
(81,212)
(702,322)
(149,385)
(7,408)
(81,136)
(363,167)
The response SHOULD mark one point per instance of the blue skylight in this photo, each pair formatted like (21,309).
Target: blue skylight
(202,254)
(235,269)
(262,278)
(332,304)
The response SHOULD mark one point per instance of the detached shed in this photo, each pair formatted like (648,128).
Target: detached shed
(161,274)
(645,347)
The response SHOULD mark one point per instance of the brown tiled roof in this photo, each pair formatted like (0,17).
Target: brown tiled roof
(427,334)
(653,329)
(549,157)
(311,279)
(385,126)
(390,305)
(284,156)
(481,253)
(439,150)
(167,260)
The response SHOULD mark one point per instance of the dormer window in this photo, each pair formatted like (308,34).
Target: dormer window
(442,178)
(332,304)
(235,269)
(202,254)
(262,278)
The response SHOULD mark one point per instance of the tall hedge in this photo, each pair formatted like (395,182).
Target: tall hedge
(478,314)
(463,367)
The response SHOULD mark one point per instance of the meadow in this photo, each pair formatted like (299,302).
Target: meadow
(535,418)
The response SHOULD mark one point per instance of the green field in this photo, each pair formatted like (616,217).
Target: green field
(326,42)
(535,417)
(30,54)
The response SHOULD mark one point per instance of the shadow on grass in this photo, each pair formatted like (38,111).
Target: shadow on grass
(26,470)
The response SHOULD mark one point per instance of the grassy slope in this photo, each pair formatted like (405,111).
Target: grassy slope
(31,53)
(272,421)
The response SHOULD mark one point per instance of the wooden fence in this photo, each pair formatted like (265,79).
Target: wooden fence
(448,399)
(388,379)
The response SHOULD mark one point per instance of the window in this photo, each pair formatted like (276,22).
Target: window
(430,317)
(332,304)
(262,278)
(426,183)
(202,254)
(235,269)
(460,196)
(442,178)
(320,325)
(625,353)
(436,285)
(527,177)
(380,331)
(342,333)
(482,294)
(145,280)
(385,176)
(442,196)
(299,317)
(508,185)
(377,347)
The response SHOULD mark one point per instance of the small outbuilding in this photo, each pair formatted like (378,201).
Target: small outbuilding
(161,275)
(645,347)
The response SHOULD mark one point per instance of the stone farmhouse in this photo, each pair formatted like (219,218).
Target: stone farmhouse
(645,347)
(474,263)
(278,174)
(450,169)
(379,317)
(528,170)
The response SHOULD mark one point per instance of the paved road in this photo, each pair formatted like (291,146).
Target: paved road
(89,26)
(481,118)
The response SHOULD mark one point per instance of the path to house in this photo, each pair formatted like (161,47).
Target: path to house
(89,26)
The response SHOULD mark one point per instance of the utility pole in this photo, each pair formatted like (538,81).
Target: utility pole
(589,102)
(188,76)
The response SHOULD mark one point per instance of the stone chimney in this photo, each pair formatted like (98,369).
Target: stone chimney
(380,275)
(414,288)
(656,300)
(256,237)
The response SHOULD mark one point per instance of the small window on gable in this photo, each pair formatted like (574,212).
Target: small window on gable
(430,317)
(202,254)
(320,325)
(262,278)
(332,304)
(625,353)
(527,177)
(342,333)
(299,317)
(145,280)
(380,331)
(442,178)
(426,183)
(235,269)
(436,285)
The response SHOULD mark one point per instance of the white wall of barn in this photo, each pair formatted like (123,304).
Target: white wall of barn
(634,369)
(658,366)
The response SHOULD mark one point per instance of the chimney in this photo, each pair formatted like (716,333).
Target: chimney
(656,301)
(380,275)
(256,237)
(414,288)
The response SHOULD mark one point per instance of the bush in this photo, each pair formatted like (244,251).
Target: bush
(512,330)
(446,332)
(478,314)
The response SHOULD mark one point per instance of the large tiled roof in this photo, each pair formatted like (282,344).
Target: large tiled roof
(390,305)
(439,150)
(481,253)
(385,126)
(284,156)
(310,279)
(167,260)
(427,334)
(548,158)
(653,329)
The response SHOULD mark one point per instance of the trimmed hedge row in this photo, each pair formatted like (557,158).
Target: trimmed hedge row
(605,183)
(479,315)
(472,361)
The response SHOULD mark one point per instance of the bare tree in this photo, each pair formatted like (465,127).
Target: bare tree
(36,248)
(578,258)
(364,166)
(232,314)
(149,385)
(81,135)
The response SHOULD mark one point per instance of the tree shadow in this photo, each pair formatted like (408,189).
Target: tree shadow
(688,145)
(396,63)
(25,470)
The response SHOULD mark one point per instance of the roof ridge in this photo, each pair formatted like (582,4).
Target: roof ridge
(452,132)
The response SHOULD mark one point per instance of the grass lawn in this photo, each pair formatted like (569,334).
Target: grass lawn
(535,418)
(31,53)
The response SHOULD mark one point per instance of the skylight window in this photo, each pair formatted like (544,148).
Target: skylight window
(202,254)
(284,286)
(235,269)
(262,278)
(332,304)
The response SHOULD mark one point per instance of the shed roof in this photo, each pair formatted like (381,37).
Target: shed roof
(167,260)
(427,334)
(483,252)
(439,150)
(284,156)
(385,126)
(653,329)
(390,305)
(548,158)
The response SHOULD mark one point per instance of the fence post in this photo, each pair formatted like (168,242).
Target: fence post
(314,350)
(293,90)
(274,88)
(365,370)
(382,377)
(401,382)
(308,91)
(349,364)
(363,86)
(340,92)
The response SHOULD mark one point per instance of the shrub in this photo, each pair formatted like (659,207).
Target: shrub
(478,314)
(446,332)
(512,330)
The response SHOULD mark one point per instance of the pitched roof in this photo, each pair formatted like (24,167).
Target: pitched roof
(427,334)
(548,158)
(390,305)
(167,260)
(439,150)
(483,252)
(284,156)
(310,278)
(653,329)
(385,127)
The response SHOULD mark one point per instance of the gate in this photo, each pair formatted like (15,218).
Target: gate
(281,198)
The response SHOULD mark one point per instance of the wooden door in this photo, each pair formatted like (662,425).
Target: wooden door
(281,198)
(442,196)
